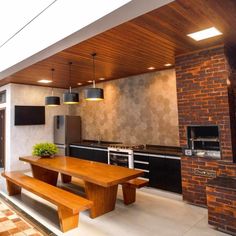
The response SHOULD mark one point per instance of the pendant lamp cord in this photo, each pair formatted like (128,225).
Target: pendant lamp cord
(52,78)
(70,63)
(93,55)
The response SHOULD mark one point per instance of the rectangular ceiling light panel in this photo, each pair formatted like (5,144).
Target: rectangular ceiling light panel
(205,34)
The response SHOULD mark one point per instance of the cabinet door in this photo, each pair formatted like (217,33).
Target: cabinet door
(82,153)
(165,174)
(90,154)
(101,156)
(141,162)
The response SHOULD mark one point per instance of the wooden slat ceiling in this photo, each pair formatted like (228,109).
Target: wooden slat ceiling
(129,49)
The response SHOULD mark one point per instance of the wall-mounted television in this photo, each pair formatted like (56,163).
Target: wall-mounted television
(29,115)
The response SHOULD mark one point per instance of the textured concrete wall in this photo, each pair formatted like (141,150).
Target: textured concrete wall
(139,109)
(22,138)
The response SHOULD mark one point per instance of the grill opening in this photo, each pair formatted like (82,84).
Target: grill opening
(203,138)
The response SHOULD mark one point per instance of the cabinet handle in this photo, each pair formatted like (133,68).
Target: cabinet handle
(89,148)
(141,162)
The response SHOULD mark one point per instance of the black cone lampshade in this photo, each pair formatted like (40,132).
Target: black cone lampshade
(93,94)
(70,97)
(52,101)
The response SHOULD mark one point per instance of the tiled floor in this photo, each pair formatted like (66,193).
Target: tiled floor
(155,213)
(12,224)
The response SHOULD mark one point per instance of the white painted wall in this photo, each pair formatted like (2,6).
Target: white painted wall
(7,107)
(20,139)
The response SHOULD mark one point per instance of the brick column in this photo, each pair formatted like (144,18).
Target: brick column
(202,93)
(205,97)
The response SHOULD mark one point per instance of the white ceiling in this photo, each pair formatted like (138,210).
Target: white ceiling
(32,30)
(57,21)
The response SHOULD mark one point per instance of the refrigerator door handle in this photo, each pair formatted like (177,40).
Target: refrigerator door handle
(58,122)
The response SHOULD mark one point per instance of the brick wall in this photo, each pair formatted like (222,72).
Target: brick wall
(194,185)
(221,208)
(206,89)
(202,94)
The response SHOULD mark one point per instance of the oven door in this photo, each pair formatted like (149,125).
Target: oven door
(121,158)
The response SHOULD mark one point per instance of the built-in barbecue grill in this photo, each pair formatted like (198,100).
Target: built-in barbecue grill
(204,140)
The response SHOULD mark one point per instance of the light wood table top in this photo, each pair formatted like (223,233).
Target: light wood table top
(94,172)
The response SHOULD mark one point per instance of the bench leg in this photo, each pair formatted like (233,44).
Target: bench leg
(129,194)
(13,189)
(67,220)
(103,198)
(65,178)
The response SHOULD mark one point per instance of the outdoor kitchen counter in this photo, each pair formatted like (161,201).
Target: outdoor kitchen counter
(160,150)
(223,182)
(95,143)
(149,149)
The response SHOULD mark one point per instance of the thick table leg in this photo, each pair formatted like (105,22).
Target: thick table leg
(129,194)
(65,178)
(103,198)
(67,219)
(45,175)
(13,189)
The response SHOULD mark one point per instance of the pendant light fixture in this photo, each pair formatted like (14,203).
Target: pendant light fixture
(70,97)
(93,94)
(52,100)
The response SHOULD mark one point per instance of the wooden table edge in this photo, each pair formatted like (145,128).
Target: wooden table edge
(112,183)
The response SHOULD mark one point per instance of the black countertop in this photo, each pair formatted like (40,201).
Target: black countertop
(161,150)
(149,149)
(223,182)
(95,144)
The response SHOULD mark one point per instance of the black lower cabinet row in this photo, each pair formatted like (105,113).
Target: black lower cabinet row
(91,154)
(162,172)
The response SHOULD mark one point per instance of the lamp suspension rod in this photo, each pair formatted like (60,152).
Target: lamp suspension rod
(70,63)
(94,55)
(52,78)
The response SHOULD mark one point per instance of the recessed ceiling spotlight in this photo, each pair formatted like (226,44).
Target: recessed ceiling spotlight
(151,68)
(167,64)
(79,83)
(44,81)
(90,81)
(205,34)
(102,79)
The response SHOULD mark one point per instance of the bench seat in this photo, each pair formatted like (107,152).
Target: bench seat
(137,183)
(69,205)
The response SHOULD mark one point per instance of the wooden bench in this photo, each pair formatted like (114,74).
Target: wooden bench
(69,205)
(129,189)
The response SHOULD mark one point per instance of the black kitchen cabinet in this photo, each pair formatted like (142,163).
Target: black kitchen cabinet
(165,173)
(88,153)
(141,162)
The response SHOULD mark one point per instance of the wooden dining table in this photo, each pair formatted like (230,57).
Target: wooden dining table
(101,180)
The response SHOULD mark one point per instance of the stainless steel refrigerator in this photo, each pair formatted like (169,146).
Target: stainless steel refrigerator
(67,130)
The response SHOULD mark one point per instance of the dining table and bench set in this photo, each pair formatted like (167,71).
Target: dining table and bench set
(100,182)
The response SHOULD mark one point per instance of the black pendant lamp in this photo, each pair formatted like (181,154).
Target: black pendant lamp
(52,100)
(70,97)
(93,94)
